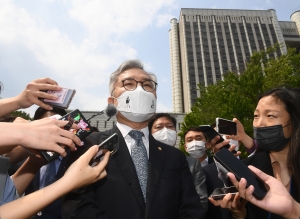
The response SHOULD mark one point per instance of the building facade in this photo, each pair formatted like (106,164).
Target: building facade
(206,43)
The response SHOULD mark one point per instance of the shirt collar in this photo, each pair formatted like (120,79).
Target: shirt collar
(124,129)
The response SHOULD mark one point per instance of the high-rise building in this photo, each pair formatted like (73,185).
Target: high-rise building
(206,43)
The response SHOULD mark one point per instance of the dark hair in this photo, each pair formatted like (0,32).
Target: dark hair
(193,129)
(1,87)
(291,100)
(159,115)
(94,129)
(40,111)
(8,118)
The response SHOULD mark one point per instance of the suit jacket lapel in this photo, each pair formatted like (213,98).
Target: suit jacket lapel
(125,163)
(155,165)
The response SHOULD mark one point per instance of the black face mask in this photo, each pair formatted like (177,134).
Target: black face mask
(270,138)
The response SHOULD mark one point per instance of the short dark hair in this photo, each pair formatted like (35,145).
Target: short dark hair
(159,115)
(40,111)
(193,129)
(1,87)
(8,118)
(94,129)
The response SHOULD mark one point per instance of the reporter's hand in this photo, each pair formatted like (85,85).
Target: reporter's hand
(33,92)
(80,173)
(277,200)
(234,203)
(218,146)
(47,134)
(241,135)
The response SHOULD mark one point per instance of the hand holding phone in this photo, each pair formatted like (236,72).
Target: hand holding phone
(219,193)
(226,127)
(110,144)
(240,170)
(64,97)
(83,131)
(211,134)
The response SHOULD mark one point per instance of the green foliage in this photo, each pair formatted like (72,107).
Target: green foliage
(22,114)
(236,96)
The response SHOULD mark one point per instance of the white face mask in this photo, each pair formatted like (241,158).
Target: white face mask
(196,149)
(137,105)
(167,136)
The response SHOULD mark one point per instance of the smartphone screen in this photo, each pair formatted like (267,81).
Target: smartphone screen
(240,170)
(226,127)
(64,97)
(110,144)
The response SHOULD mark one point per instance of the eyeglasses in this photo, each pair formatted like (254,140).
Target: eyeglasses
(131,84)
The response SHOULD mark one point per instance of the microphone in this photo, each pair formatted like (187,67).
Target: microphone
(110,111)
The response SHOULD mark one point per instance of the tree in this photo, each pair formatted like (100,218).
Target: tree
(236,96)
(22,114)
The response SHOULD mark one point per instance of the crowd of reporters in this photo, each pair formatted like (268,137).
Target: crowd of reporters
(175,187)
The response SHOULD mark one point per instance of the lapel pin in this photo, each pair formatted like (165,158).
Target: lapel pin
(159,148)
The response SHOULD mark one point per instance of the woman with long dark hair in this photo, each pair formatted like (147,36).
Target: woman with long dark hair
(276,127)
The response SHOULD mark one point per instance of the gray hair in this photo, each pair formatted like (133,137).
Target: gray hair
(129,64)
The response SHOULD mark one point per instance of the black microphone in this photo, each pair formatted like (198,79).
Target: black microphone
(110,111)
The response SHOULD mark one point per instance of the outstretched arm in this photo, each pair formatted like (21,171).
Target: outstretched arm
(44,134)
(31,204)
(30,96)
(241,135)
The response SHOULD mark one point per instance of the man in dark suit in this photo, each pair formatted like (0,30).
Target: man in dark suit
(161,186)
(163,128)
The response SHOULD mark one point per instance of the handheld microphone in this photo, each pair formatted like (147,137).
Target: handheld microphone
(110,111)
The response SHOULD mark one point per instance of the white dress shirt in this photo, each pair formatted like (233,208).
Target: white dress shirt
(124,129)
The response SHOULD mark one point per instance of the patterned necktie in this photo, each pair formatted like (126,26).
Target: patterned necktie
(140,159)
(50,174)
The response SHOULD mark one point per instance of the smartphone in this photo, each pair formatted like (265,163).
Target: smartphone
(219,193)
(84,130)
(211,133)
(240,170)
(110,144)
(64,99)
(225,127)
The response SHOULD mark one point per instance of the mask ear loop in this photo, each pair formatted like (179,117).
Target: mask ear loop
(287,125)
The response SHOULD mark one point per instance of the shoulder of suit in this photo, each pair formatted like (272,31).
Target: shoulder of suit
(168,148)
(101,135)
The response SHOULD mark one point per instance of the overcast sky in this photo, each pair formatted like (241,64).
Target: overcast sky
(79,43)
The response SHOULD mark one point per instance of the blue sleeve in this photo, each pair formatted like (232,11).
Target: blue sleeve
(9,192)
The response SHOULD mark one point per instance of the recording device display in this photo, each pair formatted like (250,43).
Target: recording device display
(211,133)
(110,144)
(226,127)
(219,193)
(64,99)
(84,130)
(240,170)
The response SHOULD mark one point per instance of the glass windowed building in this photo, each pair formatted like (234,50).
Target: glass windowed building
(206,43)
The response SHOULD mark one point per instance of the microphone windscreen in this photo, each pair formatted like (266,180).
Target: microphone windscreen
(111,110)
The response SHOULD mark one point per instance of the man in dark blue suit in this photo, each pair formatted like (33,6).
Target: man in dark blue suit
(159,186)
